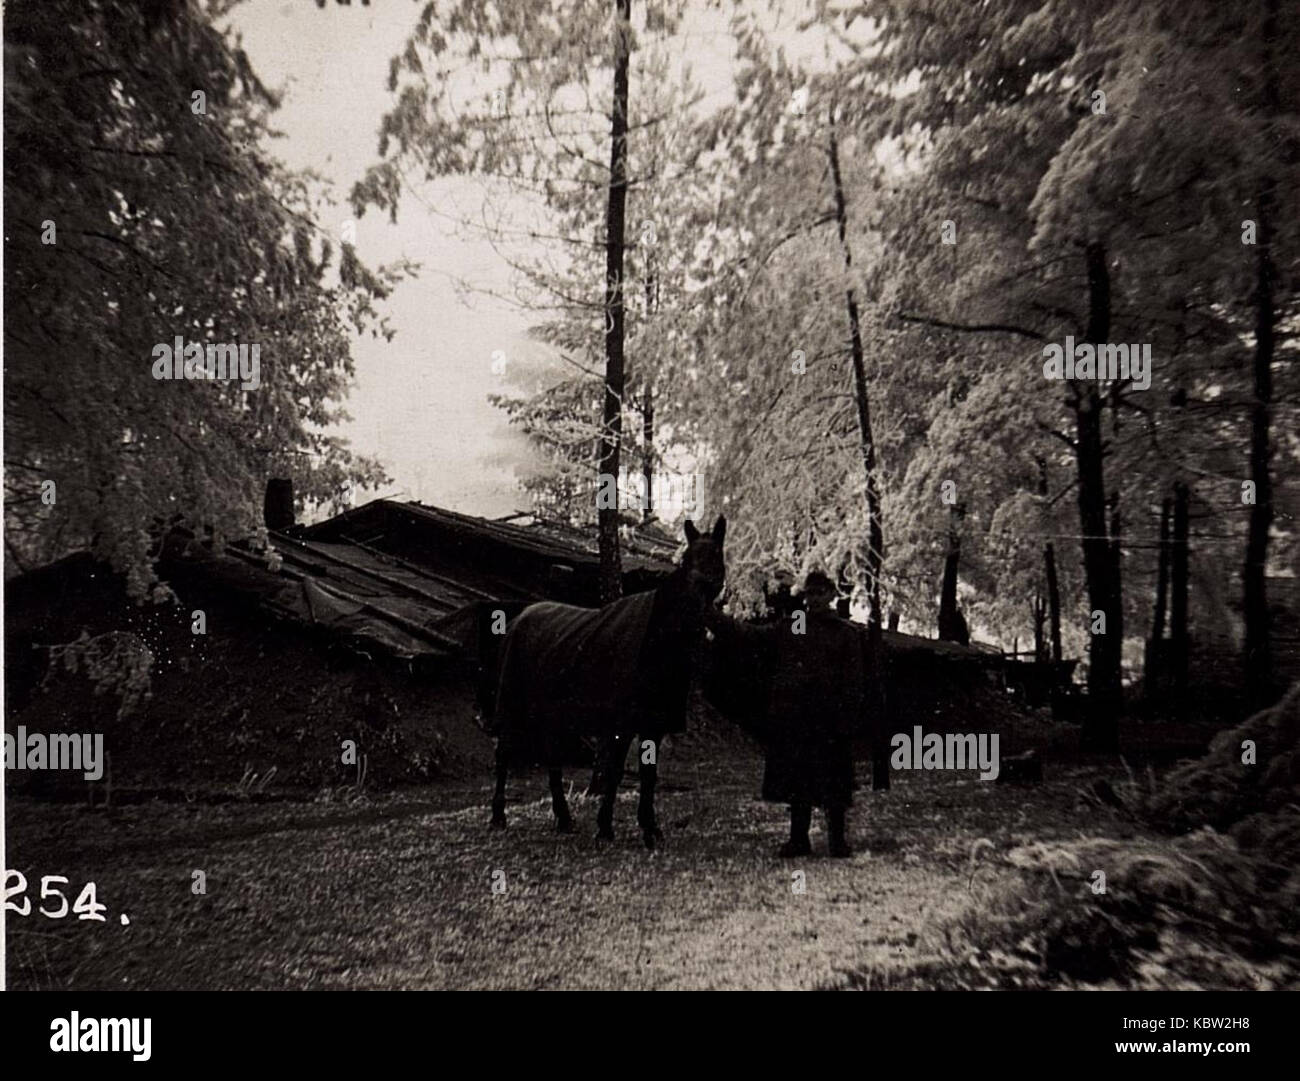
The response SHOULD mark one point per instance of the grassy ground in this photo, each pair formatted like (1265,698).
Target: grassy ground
(321,874)
(396,891)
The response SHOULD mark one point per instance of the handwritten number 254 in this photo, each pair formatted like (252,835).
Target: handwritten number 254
(85,906)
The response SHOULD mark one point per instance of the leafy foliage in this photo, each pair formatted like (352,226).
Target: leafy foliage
(141,207)
(1212,907)
(1038,130)
(115,661)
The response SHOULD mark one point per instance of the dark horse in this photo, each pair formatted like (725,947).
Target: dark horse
(607,672)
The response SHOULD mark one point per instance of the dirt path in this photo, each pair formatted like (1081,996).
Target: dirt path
(398,892)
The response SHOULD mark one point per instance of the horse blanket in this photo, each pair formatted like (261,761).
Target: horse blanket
(575,670)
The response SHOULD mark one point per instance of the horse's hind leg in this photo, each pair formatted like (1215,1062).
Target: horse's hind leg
(649,775)
(838,842)
(563,820)
(615,751)
(499,797)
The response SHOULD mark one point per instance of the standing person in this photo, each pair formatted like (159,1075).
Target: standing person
(813,666)
(816,703)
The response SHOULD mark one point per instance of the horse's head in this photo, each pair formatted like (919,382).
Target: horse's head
(703,565)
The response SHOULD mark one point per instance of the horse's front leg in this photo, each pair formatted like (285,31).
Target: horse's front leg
(563,820)
(615,751)
(649,774)
(499,796)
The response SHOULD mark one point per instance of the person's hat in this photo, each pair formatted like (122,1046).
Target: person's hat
(817,582)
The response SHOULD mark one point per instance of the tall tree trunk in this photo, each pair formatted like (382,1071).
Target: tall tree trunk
(951,628)
(948,589)
(1156,657)
(875,530)
(1162,572)
(1116,524)
(1178,635)
(1101,568)
(1049,571)
(867,443)
(648,404)
(648,454)
(1053,600)
(1258,661)
(611,432)
(611,564)
(1038,611)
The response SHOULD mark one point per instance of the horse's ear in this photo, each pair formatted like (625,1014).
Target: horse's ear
(692,534)
(720,528)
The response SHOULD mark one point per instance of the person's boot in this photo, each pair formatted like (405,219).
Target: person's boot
(837,843)
(800,821)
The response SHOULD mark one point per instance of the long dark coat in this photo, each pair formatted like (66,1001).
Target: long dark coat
(815,703)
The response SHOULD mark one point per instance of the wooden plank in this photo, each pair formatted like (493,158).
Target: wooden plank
(443,603)
(410,626)
(420,569)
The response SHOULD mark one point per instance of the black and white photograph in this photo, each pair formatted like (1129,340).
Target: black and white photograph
(627,495)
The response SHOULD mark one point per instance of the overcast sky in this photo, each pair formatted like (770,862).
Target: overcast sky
(420,402)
